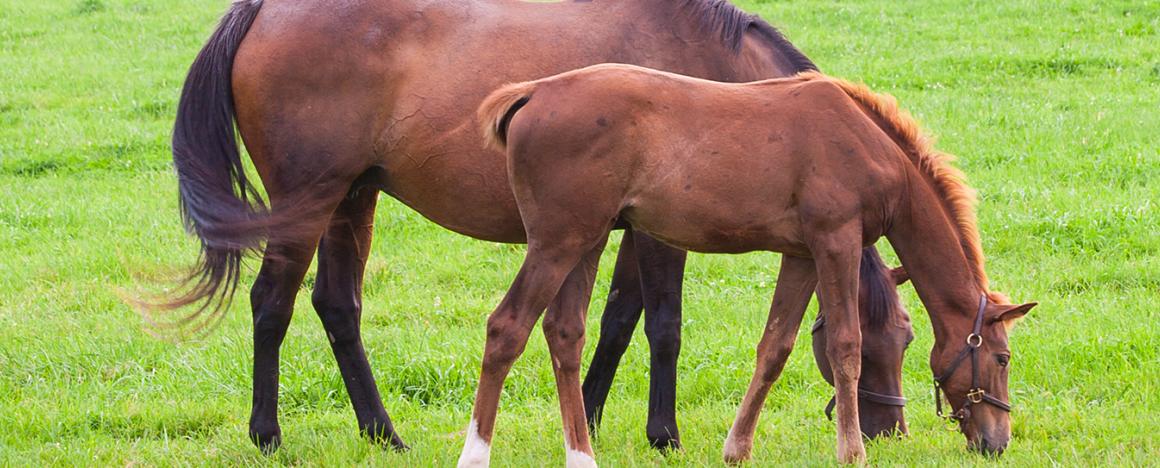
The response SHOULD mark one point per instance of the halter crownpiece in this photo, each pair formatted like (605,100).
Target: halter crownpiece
(976,394)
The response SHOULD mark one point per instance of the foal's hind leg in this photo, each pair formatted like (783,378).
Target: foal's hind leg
(564,330)
(795,286)
(342,256)
(508,327)
(617,323)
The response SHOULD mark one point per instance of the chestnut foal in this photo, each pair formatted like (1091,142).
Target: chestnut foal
(810,166)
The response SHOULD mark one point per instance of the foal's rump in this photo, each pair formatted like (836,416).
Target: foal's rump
(702,165)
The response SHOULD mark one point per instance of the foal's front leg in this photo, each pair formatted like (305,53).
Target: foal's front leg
(837,257)
(795,286)
(508,327)
(564,330)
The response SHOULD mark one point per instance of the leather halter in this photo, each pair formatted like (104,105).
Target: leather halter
(874,397)
(976,395)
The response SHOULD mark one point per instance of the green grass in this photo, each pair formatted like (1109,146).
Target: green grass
(1050,105)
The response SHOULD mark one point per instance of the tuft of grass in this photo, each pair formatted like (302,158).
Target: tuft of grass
(85,7)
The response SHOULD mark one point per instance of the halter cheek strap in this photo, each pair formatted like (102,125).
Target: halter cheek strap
(867,395)
(873,397)
(976,394)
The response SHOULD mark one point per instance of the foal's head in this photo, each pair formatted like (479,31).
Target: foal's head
(886,332)
(972,373)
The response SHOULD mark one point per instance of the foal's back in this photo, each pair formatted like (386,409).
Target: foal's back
(705,166)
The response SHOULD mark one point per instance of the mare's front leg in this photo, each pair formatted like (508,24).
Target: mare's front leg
(662,270)
(564,329)
(837,255)
(508,327)
(795,286)
(337,298)
(621,314)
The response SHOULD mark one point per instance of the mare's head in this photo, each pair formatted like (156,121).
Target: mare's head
(971,371)
(886,332)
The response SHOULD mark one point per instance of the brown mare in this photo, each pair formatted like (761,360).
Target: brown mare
(337,101)
(810,166)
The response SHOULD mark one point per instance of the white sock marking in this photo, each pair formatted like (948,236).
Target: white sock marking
(476,452)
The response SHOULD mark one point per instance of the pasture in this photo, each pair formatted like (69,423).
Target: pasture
(1050,106)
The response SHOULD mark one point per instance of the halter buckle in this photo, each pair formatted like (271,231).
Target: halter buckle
(974,340)
(976,395)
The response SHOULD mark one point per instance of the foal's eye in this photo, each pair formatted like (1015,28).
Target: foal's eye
(1003,359)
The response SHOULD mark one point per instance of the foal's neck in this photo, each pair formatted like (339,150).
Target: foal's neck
(927,242)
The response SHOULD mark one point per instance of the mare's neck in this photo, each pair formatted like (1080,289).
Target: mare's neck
(927,243)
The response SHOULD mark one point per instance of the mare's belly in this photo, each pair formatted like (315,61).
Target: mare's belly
(452,180)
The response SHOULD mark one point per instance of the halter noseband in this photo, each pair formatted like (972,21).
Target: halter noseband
(976,395)
(875,397)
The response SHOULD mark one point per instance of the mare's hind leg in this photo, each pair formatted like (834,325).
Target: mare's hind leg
(621,314)
(648,275)
(662,271)
(342,256)
(284,264)
(564,330)
(539,279)
(795,286)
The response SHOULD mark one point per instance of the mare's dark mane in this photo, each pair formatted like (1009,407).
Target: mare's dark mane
(879,287)
(732,23)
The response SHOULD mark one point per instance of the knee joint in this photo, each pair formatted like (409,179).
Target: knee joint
(847,354)
(503,344)
(560,333)
(664,335)
(340,318)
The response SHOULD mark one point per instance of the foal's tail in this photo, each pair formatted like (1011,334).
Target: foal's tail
(497,111)
(219,203)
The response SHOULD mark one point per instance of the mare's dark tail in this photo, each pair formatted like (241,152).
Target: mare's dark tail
(219,204)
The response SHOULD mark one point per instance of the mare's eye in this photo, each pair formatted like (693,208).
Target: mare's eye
(1003,359)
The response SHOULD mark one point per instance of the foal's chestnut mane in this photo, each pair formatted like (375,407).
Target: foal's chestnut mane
(956,197)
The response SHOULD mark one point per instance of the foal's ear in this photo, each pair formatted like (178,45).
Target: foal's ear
(1013,313)
(899,275)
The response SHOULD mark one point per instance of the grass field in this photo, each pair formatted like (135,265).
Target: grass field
(1051,106)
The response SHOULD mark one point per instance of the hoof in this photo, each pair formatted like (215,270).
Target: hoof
(267,441)
(735,452)
(593,424)
(852,454)
(384,435)
(664,443)
(577,459)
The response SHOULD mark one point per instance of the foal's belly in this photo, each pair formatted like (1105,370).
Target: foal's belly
(717,228)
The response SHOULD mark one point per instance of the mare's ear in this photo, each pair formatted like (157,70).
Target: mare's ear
(1013,313)
(899,275)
